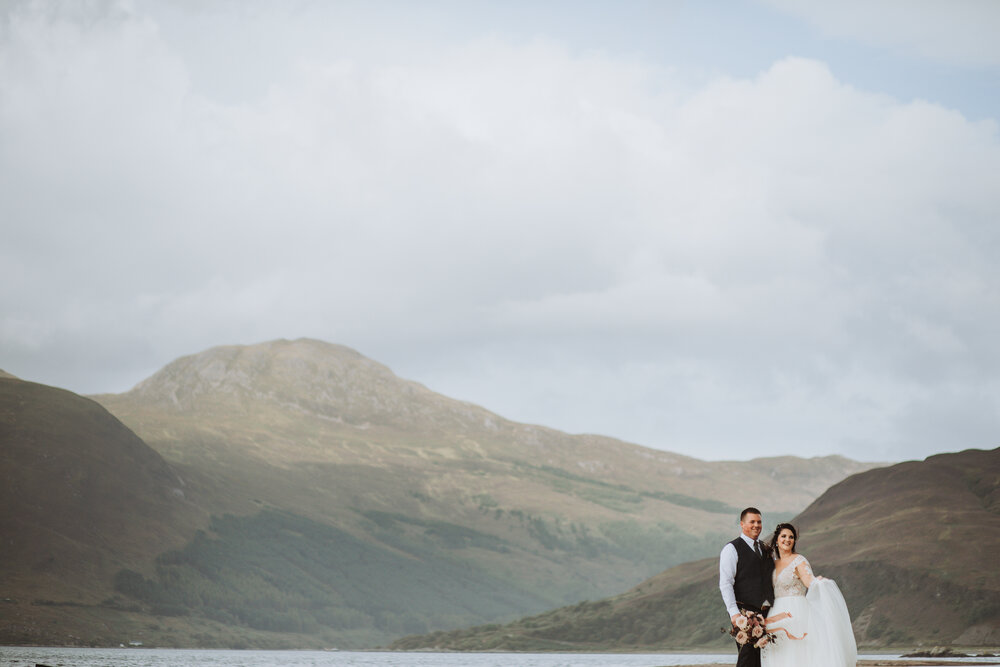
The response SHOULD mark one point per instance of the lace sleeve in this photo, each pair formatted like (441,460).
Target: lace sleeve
(804,571)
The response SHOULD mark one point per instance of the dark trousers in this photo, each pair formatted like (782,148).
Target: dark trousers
(749,656)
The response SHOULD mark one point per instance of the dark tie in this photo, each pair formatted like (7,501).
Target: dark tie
(756,547)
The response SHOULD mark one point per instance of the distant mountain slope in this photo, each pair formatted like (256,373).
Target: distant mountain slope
(912,547)
(942,514)
(320,428)
(328,502)
(82,497)
(278,572)
(320,431)
(77,481)
(305,402)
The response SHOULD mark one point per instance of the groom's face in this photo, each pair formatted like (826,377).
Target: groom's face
(751,525)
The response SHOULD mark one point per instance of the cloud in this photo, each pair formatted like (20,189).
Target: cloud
(782,263)
(961,32)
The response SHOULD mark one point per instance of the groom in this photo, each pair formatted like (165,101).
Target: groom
(745,578)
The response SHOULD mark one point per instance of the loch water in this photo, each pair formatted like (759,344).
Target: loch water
(139,657)
(29,656)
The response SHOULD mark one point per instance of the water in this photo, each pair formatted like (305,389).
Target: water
(83,657)
(15,656)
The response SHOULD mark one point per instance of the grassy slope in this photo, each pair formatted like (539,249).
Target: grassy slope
(478,518)
(321,431)
(76,480)
(279,572)
(82,497)
(911,547)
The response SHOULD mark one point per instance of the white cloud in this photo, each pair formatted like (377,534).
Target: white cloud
(958,32)
(783,262)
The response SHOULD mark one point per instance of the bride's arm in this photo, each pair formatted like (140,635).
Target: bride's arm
(805,573)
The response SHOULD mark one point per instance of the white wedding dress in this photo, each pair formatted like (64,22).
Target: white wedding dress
(819,616)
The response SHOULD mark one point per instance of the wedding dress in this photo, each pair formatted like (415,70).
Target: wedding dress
(818,615)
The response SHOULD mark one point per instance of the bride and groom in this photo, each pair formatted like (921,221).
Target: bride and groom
(806,613)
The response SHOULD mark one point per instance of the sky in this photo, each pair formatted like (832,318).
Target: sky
(724,229)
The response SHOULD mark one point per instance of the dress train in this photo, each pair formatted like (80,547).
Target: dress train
(819,620)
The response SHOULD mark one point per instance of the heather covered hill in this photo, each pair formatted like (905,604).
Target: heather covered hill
(912,547)
(948,504)
(923,537)
(82,497)
(82,494)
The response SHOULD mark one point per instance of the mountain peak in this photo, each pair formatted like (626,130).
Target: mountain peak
(311,376)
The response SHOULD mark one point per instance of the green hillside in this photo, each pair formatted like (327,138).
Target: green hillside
(297,494)
(911,547)
(279,572)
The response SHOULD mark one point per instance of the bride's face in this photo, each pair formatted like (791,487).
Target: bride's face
(786,541)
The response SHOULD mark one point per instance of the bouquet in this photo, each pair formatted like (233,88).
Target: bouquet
(749,628)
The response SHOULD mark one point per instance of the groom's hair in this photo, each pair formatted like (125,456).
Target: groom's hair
(749,510)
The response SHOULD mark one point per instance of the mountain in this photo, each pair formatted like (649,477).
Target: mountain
(286,403)
(295,404)
(916,545)
(912,547)
(82,498)
(328,502)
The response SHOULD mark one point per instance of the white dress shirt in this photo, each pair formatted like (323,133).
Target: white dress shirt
(727,574)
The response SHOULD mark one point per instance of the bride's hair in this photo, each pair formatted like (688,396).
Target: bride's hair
(772,544)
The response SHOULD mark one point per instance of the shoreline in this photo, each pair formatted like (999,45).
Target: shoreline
(915,662)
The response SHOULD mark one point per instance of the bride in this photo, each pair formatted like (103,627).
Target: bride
(809,611)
